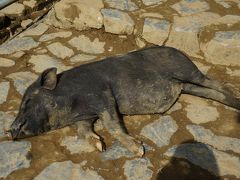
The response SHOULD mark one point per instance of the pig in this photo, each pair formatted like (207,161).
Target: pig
(146,81)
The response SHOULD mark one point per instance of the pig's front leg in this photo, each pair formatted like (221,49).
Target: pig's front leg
(112,123)
(85,130)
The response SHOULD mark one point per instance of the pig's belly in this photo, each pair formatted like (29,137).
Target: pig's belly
(147,97)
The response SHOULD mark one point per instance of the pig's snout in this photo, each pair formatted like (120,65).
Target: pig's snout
(12,133)
(7,132)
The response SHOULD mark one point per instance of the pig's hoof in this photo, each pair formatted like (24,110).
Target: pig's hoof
(99,144)
(132,145)
(141,151)
(96,140)
(137,149)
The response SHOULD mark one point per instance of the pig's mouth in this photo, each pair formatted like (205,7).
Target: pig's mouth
(16,133)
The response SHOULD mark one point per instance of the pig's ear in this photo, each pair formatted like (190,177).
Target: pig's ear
(49,78)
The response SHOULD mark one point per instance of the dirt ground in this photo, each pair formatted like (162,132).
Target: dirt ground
(46,149)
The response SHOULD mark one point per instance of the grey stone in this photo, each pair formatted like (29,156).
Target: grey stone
(223,3)
(116,151)
(47,37)
(79,14)
(13,156)
(117,22)
(5,122)
(42,62)
(138,169)
(217,162)
(22,80)
(177,106)
(76,145)
(233,72)
(126,5)
(185,30)
(228,19)
(206,136)
(18,54)
(67,170)
(4,88)
(155,31)
(153,2)
(59,50)
(223,49)
(160,131)
(82,58)
(4,62)
(201,113)
(15,9)
(30,3)
(189,7)
(36,31)
(18,44)
(84,44)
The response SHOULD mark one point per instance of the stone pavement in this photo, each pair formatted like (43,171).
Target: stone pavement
(196,138)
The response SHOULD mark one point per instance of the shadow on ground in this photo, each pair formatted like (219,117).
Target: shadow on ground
(181,169)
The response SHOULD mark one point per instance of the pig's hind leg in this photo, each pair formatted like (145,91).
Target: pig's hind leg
(225,98)
(196,83)
(85,131)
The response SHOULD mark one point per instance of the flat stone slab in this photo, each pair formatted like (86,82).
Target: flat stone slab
(223,49)
(22,80)
(156,31)
(36,31)
(4,62)
(184,32)
(67,170)
(217,162)
(177,106)
(18,54)
(78,14)
(82,58)
(18,44)
(42,62)
(116,151)
(228,19)
(224,3)
(76,145)
(186,7)
(51,36)
(200,113)
(138,169)
(233,72)
(13,156)
(160,131)
(30,3)
(5,122)
(117,22)
(126,5)
(4,88)
(153,2)
(84,44)
(15,9)
(206,136)
(60,50)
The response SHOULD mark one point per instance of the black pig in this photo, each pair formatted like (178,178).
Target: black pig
(142,82)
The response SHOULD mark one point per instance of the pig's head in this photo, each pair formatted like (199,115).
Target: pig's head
(37,101)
